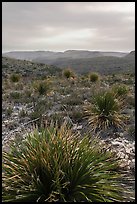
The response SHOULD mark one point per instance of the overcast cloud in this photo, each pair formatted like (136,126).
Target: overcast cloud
(59,26)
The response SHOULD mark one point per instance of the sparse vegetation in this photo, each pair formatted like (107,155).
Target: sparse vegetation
(68,73)
(15,95)
(120,90)
(55,165)
(42,87)
(15,77)
(104,111)
(93,77)
(30,103)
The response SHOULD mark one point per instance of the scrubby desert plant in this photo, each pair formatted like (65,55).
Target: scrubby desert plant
(93,77)
(104,111)
(15,95)
(15,77)
(68,73)
(120,90)
(42,87)
(57,165)
(77,115)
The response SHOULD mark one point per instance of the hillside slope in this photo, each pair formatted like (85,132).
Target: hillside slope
(45,55)
(27,68)
(103,65)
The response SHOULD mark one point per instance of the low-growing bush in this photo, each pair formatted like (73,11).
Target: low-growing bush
(104,111)
(15,77)
(15,95)
(120,90)
(56,165)
(42,87)
(93,77)
(68,73)
(77,115)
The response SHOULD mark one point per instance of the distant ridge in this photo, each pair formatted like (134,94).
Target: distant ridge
(48,55)
(85,64)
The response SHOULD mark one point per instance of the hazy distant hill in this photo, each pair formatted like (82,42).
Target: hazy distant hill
(82,61)
(130,56)
(46,55)
(102,64)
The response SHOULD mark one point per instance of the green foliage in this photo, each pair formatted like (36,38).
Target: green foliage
(93,77)
(42,87)
(15,77)
(67,73)
(35,114)
(77,115)
(120,90)
(104,112)
(56,165)
(15,95)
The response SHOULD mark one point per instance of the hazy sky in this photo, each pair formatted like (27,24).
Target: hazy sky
(59,26)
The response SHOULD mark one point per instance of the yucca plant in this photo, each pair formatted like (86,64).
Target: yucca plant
(93,77)
(42,87)
(15,77)
(57,164)
(104,111)
(120,90)
(67,73)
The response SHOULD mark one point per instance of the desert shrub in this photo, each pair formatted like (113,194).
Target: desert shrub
(93,77)
(15,77)
(77,115)
(35,114)
(42,87)
(104,111)
(120,90)
(56,165)
(68,73)
(15,95)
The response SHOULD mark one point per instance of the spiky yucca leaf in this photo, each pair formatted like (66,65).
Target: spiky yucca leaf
(104,112)
(59,165)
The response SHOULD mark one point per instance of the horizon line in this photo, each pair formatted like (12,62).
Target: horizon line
(64,50)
